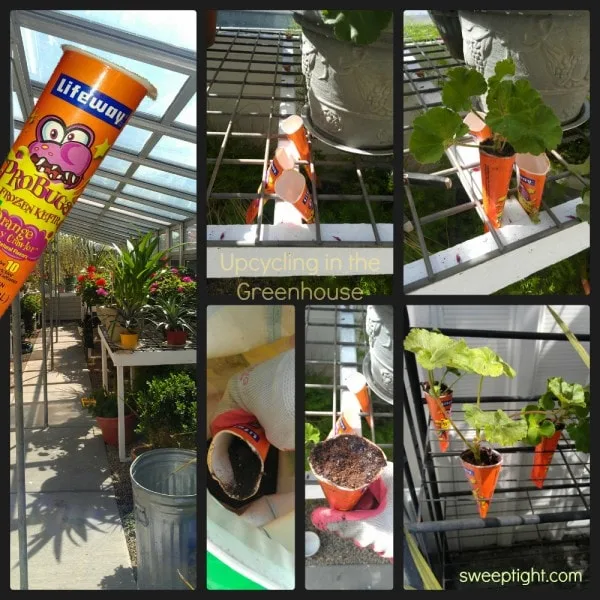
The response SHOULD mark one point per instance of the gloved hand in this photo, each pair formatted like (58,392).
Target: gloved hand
(371,522)
(265,393)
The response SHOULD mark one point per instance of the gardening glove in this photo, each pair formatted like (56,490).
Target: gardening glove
(265,393)
(371,522)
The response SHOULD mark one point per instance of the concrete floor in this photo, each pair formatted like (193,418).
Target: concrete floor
(75,539)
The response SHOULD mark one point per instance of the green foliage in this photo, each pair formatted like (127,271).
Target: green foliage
(498,427)
(581,351)
(312,436)
(167,410)
(486,363)
(435,350)
(31,304)
(106,405)
(357,26)
(420,32)
(583,209)
(172,313)
(516,114)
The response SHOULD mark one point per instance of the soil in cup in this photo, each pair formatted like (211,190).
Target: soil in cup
(246,467)
(487,457)
(504,151)
(348,461)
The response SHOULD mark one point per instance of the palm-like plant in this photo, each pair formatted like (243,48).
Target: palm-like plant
(170,314)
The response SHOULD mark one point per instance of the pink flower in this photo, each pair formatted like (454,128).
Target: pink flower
(187,279)
(180,289)
(101,292)
(174,270)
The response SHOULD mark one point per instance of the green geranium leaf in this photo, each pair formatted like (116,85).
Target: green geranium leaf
(454,371)
(433,350)
(547,401)
(580,434)
(474,416)
(503,68)
(433,132)
(534,419)
(461,85)
(568,394)
(485,362)
(498,427)
(311,433)
(547,429)
(583,209)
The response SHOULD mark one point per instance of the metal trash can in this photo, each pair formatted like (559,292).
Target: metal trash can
(164,496)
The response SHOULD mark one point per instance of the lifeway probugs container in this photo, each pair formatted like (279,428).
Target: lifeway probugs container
(83,108)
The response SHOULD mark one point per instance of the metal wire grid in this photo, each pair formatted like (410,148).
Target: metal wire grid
(150,340)
(284,48)
(107,221)
(455,515)
(430,53)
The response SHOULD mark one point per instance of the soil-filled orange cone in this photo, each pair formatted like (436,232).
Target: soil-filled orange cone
(440,421)
(542,458)
(483,480)
(495,178)
(83,108)
(531,177)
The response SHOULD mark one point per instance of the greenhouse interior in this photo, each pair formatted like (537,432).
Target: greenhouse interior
(535,523)
(103,388)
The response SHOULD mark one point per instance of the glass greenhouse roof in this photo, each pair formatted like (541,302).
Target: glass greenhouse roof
(148,179)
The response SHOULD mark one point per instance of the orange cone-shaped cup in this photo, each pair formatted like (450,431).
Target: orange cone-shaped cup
(293,127)
(440,421)
(483,480)
(542,458)
(357,385)
(477,127)
(495,178)
(338,496)
(79,115)
(291,187)
(531,177)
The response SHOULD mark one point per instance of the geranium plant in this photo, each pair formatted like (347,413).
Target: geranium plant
(93,286)
(519,119)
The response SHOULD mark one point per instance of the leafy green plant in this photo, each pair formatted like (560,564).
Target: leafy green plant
(106,404)
(312,436)
(518,117)
(167,410)
(434,350)
(357,26)
(31,305)
(169,313)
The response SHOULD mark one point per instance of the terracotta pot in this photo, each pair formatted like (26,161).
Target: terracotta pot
(110,429)
(211,27)
(176,338)
(542,458)
(483,480)
(440,422)
(129,341)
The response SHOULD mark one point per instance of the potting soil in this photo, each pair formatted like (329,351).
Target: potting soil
(246,468)
(488,458)
(347,460)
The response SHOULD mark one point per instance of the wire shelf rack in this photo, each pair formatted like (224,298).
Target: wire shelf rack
(254,80)
(526,528)
(425,69)
(151,340)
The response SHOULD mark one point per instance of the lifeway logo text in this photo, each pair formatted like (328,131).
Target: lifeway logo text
(91,101)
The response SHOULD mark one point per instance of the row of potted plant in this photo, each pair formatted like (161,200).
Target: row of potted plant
(563,407)
(163,412)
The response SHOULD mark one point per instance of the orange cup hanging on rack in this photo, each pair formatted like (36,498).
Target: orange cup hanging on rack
(542,458)
(483,480)
(291,187)
(294,128)
(495,178)
(80,113)
(440,422)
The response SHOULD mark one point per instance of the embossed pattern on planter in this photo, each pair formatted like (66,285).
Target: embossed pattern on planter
(552,50)
(350,87)
(379,326)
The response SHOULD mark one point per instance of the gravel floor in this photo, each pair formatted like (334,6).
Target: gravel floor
(335,550)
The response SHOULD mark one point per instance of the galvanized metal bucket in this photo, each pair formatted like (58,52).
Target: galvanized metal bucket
(164,495)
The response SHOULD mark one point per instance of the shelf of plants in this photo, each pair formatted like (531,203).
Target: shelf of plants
(445,247)
(254,83)
(538,517)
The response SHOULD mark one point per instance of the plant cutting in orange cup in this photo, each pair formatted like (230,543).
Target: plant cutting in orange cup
(483,480)
(440,420)
(79,115)
(531,177)
(291,187)
(495,178)
(542,458)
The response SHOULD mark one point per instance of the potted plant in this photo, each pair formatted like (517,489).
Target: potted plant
(347,62)
(550,47)
(481,463)
(105,408)
(31,306)
(172,316)
(132,269)
(518,121)
(167,409)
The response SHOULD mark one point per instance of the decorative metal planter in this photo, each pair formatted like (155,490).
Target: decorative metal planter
(550,48)
(350,87)
(378,364)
